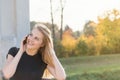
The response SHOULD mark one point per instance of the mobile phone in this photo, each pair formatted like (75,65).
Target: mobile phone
(25,41)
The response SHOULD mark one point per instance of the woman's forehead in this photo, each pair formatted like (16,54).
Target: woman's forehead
(37,33)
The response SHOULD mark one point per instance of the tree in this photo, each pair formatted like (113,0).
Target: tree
(81,48)
(68,41)
(62,5)
(52,20)
(108,31)
(76,34)
(89,28)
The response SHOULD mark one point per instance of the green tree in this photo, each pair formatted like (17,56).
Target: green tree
(89,28)
(81,48)
(108,31)
(76,34)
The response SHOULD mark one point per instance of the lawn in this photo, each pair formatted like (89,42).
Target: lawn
(92,67)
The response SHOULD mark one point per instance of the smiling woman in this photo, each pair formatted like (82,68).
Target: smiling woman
(33,58)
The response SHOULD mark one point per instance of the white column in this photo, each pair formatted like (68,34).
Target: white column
(0,38)
(23,23)
(0,19)
(8,26)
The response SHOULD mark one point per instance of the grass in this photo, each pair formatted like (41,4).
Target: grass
(76,67)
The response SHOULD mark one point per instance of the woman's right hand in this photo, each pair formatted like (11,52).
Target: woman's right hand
(23,44)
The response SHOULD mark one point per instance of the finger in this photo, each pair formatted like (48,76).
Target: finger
(25,37)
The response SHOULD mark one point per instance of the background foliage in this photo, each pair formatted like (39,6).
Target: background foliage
(95,39)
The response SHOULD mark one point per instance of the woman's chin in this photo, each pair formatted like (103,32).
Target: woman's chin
(29,47)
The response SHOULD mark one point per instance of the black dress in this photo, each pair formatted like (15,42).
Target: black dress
(29,67)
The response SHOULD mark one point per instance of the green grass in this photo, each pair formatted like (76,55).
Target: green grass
(91,66)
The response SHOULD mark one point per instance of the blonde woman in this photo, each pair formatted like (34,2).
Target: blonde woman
(33,58)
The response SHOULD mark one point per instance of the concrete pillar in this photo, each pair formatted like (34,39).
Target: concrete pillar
(0,35)
(8,26)
(14,24)
(23,23)
(14,19)
(0,19)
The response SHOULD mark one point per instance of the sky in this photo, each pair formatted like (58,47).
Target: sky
(76,12)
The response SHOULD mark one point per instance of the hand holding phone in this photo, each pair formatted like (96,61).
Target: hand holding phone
(25,41)
(23,44)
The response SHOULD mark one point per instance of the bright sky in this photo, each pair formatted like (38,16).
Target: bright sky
(76,12)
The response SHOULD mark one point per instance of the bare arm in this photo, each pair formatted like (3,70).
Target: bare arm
(11,63)
(57,71)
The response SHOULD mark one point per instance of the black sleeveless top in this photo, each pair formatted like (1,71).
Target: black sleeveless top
(29,67)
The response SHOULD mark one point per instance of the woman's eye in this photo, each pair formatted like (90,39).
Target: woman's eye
(36,38)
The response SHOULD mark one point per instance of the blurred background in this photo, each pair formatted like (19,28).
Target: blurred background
(85,33)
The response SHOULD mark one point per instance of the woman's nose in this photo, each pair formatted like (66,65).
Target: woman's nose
(30,38)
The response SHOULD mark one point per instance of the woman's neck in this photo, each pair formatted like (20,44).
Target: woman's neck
(31,52)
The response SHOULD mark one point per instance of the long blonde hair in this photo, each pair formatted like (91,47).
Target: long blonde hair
(47,49)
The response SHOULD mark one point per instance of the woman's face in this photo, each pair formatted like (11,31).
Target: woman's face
(35,39)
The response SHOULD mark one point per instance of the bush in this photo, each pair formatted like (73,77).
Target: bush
(81,48)
(106,50)
(59,49)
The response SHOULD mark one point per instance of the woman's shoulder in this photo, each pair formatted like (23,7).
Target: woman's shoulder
(13,51)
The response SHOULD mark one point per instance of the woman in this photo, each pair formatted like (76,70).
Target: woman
(35,55)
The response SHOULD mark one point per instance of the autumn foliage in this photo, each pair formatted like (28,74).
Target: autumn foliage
(95,39)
